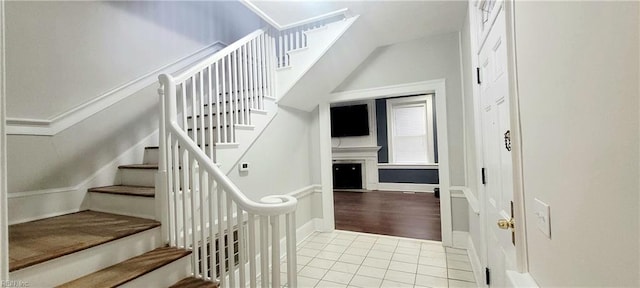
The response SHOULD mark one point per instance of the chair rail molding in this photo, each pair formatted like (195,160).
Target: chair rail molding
(61,122)
(473,201)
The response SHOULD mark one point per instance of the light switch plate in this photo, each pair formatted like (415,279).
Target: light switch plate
(243,167)
(542,215)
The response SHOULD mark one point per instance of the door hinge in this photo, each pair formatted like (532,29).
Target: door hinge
(478,75)
(487,276)
(484,175)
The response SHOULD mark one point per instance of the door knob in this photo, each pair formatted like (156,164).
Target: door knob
(506,224)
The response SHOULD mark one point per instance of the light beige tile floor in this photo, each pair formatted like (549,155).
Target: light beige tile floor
(351,259)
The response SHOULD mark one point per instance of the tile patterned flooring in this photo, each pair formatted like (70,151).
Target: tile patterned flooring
(353,259)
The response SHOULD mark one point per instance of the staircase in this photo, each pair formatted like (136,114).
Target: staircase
(177,220)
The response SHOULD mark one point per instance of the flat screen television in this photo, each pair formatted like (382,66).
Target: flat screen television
(349,121)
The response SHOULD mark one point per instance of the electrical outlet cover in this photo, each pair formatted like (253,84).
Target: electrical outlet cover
(542,214)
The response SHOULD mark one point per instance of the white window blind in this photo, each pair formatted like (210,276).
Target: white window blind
(410,126)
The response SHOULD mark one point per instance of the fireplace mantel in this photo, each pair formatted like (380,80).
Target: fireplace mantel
(367,156)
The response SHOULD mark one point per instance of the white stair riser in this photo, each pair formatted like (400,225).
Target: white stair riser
(143,207)
(164,276)
(151,156)
(64,269)
(138,177)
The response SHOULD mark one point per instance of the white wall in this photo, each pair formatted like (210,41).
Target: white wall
(424,59)
(280,158)
(314,149)
(578,79)
(469,87)
(61,54)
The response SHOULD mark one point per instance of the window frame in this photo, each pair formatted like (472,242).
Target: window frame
(420,100)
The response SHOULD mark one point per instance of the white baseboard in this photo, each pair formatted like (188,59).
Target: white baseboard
(517,279)
(459,239)
(38,204)
(307,229)
(413,187)
(476,265)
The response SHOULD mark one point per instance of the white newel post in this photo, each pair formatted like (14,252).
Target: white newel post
(161,200)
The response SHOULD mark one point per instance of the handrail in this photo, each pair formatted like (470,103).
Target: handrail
(217,56)
(270,209)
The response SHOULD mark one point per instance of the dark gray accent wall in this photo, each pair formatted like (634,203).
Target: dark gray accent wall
(381,127)
(420,176)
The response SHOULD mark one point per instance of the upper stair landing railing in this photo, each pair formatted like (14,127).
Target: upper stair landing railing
(295,37)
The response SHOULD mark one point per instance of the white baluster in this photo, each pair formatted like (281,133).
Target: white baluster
(170,190)
(222,106)
(287,46)
(203,192)
(231,245)
(183,89)
(259,68)
(194,125)
(255,73)
(280,53)
(292,265)
(217,104)
(210,114)
(243,119)
(193,184)
(275,251)
(185,188)
(264,250)
(229,99)
(253,274)
(241,247)
(212,225)
(176,190)
(201,112)
(221,237)
(245,81)
(234,98)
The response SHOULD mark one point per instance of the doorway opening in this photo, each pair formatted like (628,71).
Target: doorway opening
(384,179)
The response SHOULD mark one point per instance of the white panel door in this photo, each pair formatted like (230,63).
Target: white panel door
(494,95)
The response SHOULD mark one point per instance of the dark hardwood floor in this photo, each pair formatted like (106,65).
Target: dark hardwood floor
(388,213)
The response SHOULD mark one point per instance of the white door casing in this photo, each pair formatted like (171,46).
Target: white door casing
(4,237)
(495,126)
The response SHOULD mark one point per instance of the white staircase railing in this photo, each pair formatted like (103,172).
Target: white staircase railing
(295,38)
(233,239)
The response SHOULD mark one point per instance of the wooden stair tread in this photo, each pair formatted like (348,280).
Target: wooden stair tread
(139,166)
(141,191)
(130,269)
(38,241)
(192,282)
